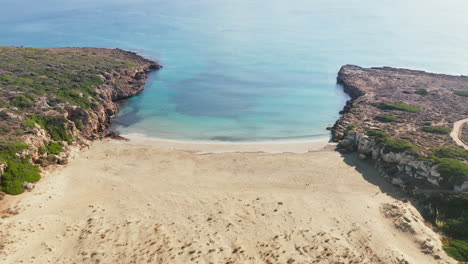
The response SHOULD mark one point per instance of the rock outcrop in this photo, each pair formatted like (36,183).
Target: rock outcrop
(401,103)
(54,99)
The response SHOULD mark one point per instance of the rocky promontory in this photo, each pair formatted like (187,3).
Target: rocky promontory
(403,119)
(52,99)
(412,125)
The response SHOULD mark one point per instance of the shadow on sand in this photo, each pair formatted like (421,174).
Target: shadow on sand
(368,171)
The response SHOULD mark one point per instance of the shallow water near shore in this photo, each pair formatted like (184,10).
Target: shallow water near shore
(246,70)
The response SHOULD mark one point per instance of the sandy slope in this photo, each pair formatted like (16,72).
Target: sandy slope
(143,202)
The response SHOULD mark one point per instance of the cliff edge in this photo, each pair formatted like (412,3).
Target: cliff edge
(54,98)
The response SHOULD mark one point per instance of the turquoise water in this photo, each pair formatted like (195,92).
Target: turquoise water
(246,70)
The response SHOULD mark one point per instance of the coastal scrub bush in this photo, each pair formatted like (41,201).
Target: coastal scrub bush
(450,213)
(400,145)
(54,125)
(436,130)
(54,147)
(454,153)
(453,171)
(21,101)
(462,93)
(457,249)
(18,169)
(379,135)
(400,107)
(79,124)
(386,118)
(392,145)
(422,92)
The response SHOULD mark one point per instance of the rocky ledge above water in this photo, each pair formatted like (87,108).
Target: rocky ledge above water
(403,119)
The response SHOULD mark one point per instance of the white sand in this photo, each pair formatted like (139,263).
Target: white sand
(143,201)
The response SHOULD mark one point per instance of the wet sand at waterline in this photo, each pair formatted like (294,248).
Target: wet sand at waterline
(142,201)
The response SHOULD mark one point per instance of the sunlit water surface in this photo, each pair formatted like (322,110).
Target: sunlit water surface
(246,70)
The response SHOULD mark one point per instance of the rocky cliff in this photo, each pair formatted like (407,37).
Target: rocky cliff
(402,119)
(54,99)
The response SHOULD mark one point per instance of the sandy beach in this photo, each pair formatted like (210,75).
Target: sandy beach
(150,201)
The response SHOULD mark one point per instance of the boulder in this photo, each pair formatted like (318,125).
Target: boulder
(28,186)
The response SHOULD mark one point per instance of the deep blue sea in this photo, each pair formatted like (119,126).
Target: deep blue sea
(246,70)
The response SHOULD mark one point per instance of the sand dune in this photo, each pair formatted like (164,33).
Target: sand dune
(144,202)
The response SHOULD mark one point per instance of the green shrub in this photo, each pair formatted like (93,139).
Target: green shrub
(21,101)
(462,93)
(453,172)
(458,249)
(54,147)
(422,92)
(392,145)
(79,124)
(400,145)
(400,107)
(386,118)
(436,130)
(18,170)
(407,92)
(426,123)
(454,153)
(379,135)
(54,125)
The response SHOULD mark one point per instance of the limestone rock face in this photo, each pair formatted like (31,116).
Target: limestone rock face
(399,168)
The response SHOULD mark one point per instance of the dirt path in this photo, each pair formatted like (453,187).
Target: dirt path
(457,129)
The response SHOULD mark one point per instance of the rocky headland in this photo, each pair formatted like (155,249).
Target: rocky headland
(412,125)
(56,98)
(403,119)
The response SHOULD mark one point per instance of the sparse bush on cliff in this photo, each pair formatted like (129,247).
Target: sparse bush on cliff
(390,144)
(400,145)
(79,124)
(21,101)
(400,107)
(378,134)
(54,125)
(386,118)
(454,153)
(54,147)
(436,130)
(18,169)
(453,171)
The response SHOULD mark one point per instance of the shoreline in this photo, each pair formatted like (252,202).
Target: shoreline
(206,147)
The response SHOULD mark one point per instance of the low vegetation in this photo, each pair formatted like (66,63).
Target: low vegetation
(462,93)
(19,169)
(453,171)
(54,147)
(400,107)
(449,212)
(54,125)
(436,130)
(454,153)
(391,144)
(386,118)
